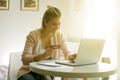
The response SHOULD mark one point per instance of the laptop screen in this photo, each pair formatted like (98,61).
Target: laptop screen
(89,51)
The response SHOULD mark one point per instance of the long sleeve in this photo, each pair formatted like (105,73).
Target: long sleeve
(31,45)
(31,49)
(64,46)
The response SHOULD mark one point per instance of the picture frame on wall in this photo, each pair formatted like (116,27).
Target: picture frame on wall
(4,4)
(30,5)
(78,4)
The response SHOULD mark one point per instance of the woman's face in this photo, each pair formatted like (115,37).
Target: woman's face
(52,25)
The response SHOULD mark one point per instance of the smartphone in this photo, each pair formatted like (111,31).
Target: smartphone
(56,46)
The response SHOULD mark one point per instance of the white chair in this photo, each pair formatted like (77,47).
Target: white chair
(14,65)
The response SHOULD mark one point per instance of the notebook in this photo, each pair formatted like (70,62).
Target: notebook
(89,52)
(50,63)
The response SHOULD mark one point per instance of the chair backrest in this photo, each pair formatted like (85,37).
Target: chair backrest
(14,64)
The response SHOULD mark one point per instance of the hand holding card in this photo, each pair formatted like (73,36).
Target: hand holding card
(56,46)
(56,53)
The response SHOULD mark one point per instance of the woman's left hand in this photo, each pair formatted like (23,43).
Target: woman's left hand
(72,57)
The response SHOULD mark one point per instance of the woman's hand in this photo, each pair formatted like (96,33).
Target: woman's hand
(72,57)
(45,55)
(48,52)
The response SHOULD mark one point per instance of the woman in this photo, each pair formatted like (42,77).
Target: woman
(40,45)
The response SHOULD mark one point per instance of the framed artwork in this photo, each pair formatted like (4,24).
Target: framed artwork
(29,5)
(78,4)
(4,4)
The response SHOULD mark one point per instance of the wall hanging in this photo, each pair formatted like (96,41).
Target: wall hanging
(4,4)
(29,5)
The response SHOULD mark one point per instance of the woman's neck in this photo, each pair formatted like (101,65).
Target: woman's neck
(45,33)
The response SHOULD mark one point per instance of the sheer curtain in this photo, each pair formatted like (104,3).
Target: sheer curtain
(100,22)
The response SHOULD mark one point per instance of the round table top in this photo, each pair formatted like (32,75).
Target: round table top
(86,71)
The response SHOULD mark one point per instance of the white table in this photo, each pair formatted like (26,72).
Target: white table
(102,70)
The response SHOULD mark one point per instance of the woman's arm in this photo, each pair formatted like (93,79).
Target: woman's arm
(27,55)
(65,48)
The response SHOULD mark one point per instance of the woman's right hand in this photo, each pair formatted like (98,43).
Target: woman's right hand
(48,52)
(45,55)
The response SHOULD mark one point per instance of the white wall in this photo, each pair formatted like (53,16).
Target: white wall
(118,55)
(118,38)
(77,20)
(16,24)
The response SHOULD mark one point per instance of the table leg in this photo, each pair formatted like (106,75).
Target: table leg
(63,78)
(105,78)
(84,78)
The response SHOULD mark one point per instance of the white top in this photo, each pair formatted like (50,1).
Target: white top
(87,71)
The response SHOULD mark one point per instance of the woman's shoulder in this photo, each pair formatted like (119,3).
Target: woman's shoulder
(60,33)
(35,32)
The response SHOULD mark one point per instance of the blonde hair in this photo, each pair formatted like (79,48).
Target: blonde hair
(51,12)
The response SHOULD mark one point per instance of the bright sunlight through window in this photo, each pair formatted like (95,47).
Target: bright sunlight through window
(99,24)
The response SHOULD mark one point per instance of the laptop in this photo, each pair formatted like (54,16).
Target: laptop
(89,52)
